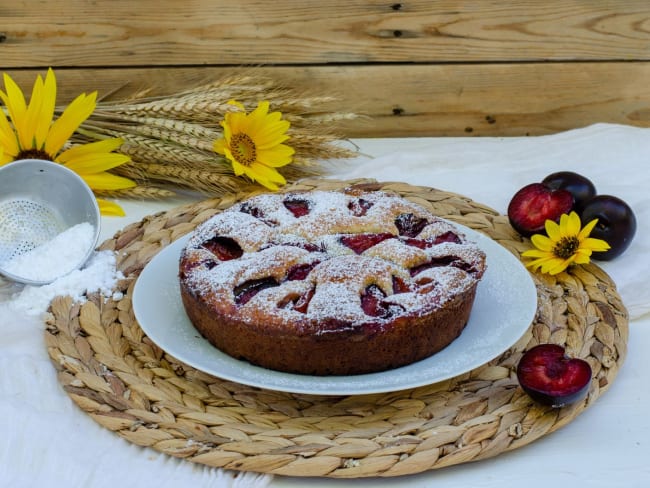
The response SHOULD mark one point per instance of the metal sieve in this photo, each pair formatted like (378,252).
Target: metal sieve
(39,200)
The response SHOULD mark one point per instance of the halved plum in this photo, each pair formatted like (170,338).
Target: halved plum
(373,304)
(249,209)
(409,225)
(427,243)
(297,206)
(550,377)
(419,243)
(299,303)
(256,212)
(302,303)
(534,204)
(190,265)
(400,286)
(452,261)
(448,236)
(225,248)
(362,242)
(247,290)
(307,246)
(300,271)
(359,207)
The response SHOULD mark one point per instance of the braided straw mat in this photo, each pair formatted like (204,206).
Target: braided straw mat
(129,385)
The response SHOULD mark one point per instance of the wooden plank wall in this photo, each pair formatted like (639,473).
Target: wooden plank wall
(416,68)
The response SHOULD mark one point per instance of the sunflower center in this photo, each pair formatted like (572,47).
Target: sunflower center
(243,149)
(566,247)
(34,154)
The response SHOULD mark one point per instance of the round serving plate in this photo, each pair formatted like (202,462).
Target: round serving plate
(504,308)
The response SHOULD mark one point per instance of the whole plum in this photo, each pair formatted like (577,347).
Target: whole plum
(579,186)
(616,224)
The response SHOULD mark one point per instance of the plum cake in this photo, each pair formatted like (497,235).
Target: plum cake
(329,282)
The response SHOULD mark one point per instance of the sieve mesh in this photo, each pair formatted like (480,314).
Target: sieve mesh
(25,225)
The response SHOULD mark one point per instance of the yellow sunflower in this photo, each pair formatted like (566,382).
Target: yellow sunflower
(565,244)
(253,144)
(29,132)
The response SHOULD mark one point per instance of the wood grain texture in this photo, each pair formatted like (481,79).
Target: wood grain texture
(508,99)
(415,68)
(218,32)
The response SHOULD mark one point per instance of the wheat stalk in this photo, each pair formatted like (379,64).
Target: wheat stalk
(151,150)
(200,180)
(172,131)
(170,138)
(195,108)
(142,191)
(124,122)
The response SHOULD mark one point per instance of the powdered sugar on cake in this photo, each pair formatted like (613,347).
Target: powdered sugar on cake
(275,253)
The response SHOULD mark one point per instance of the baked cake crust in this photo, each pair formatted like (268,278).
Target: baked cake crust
(329,283)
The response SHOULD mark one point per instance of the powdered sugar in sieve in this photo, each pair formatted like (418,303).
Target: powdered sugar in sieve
(40,201)
(26,224)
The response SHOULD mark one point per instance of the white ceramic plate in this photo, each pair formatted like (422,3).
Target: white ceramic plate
(505,305)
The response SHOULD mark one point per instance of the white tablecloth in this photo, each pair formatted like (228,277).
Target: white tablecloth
(45,440)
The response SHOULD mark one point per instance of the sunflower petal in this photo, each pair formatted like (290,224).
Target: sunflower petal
(586,230)
(98,147)
(27,134)
(582,256)
(8,140)
(564,226)
(573,224)
(265,176)
(542,242)
(110,209)
(14,100)
(259,114)
(535,253)
(271,133)
(270,173)
(219,146)
(237,122)
(595,244)
(541,262)
(237,168)
(552,230)
(72,117)
(227,132)
(274,142)
(43,123)
(237,104)
(93,163)
(259,119)
(260,124)
(280,155)
(107,181)
(558,267)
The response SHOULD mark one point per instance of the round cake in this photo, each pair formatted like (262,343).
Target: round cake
(329,282)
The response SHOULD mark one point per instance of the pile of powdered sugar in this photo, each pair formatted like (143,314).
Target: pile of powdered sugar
(99,275)
(54,258)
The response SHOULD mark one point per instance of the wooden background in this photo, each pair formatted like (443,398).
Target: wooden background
(416,68)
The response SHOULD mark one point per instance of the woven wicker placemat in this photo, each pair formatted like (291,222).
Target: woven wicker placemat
(130,386)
